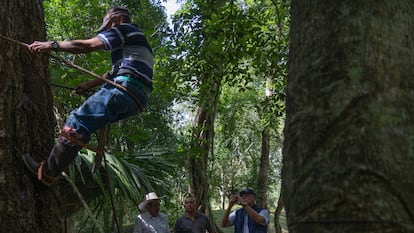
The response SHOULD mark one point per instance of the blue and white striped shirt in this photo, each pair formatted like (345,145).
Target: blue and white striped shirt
(130,51)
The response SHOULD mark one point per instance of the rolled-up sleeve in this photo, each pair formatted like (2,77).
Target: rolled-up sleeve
(265,214)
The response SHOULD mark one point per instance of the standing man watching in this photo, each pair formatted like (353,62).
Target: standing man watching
(151,220)
(132,68)
(248,219)
(192,221)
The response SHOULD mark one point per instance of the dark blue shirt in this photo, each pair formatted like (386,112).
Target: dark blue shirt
(130,51)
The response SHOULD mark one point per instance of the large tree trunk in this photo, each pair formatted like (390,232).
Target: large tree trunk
(26,122)
(348,149)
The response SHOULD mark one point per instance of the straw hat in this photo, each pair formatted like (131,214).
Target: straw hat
(148,197)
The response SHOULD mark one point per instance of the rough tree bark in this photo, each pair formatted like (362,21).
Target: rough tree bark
(349,132)
(26,122)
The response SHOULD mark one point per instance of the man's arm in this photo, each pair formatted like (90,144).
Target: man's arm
(138,225)
(166,223)
(83,88)
(72,46)
(259,219)
(225,219)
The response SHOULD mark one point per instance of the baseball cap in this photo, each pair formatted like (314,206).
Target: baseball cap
(247,191)
(111,13)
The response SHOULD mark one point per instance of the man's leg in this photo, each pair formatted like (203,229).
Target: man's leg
(60,157)
(105,106)
(79,126)
(62,154)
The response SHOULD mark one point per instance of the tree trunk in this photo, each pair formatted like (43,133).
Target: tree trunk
(349,145)
(26,122)
(262,182)
(203,133)
(199,181)
(277,213)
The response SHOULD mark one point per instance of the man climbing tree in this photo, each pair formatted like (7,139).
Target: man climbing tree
(125,94)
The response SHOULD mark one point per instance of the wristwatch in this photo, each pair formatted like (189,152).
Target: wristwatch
(55,45)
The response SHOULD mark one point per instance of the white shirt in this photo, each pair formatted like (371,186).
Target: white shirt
(146,223)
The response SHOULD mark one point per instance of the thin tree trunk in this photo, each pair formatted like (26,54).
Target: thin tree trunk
(262,180)
(26,122)
(348,151)
(278,211)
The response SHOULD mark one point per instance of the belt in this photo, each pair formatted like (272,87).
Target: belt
(134,80)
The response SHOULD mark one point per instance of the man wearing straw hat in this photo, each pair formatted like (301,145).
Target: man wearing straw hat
(151,220)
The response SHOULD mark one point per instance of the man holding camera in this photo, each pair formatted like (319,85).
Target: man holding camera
(250,218)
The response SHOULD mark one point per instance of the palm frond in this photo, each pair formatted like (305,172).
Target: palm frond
(127,177)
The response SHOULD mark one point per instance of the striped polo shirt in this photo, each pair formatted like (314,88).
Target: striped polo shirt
(130,51)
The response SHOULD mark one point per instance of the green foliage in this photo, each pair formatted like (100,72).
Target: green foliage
(245,44)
